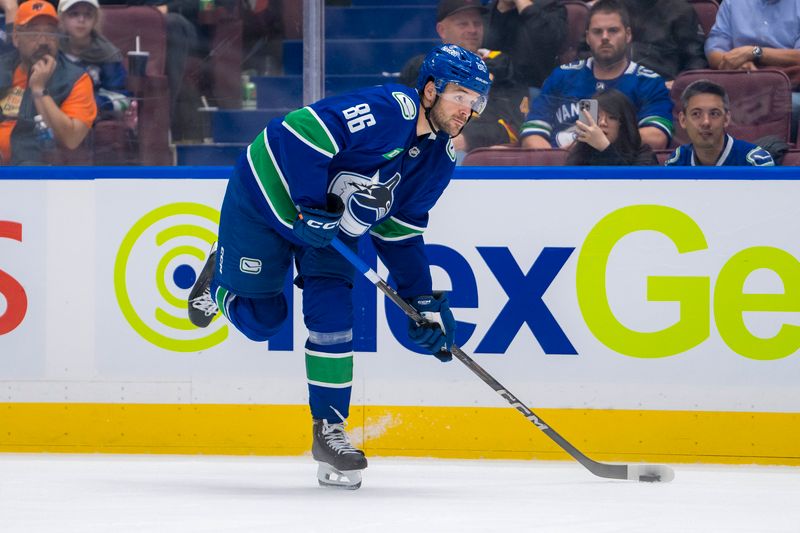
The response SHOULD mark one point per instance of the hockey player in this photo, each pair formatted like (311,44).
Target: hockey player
(375,160)
(705,115)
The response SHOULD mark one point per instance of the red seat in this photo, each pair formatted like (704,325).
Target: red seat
(218,75)
(577,18)
(663,155)
(121,25)
(791,159)
(761,102)
(513,157)
(707,13)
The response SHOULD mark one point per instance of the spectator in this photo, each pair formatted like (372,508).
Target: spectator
(704,116)
(181,41)
(36,80)
(8,10)
(84,45)
(262,36)
(551,120)
(460,22)
(614,139)
(531,33)
(750,34)
(667,36)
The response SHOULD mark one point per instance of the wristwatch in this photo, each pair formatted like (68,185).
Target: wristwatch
(757,54)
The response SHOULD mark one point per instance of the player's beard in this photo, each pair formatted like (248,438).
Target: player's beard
(445,123)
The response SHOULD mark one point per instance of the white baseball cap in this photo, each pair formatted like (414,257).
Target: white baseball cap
(63,5)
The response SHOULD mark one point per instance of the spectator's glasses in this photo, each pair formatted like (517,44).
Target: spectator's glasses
(476,102)
(606,117)
(36,35)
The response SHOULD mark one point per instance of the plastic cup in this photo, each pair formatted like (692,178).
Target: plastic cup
(137,62)
(206,114)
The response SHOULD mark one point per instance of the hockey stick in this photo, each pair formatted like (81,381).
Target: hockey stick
(649,473)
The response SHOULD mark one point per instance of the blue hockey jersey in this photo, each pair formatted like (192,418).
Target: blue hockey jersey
(735,153)
(362,146)
(554,112)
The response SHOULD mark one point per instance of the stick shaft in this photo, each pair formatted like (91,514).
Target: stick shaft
(599,469)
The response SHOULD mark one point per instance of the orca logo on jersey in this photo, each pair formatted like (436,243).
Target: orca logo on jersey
(366,200)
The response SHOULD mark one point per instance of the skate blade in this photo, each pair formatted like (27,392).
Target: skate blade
(338,479)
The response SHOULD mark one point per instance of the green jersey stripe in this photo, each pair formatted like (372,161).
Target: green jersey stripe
(309,128)
(270,180)
(395,230)
(658,122)
(327,131)
(333,370)
(220,298)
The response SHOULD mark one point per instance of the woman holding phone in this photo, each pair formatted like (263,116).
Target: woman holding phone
(613,139)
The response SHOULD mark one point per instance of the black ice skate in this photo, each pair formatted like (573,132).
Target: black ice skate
(202,307)
(340,464)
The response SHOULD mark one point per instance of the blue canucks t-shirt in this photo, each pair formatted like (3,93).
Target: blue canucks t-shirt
(362,146)
(735,153)
(554,112)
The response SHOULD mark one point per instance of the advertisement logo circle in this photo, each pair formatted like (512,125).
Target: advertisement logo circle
(169,244)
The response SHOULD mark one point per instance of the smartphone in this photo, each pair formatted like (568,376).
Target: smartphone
(589,105)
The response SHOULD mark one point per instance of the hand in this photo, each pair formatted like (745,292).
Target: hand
(318,227)
(734,59)
(590,133)
(41,71)
(438,334)
(9,7)
(749,65)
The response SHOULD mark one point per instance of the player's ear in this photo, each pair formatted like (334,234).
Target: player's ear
(682,119)
(430,92)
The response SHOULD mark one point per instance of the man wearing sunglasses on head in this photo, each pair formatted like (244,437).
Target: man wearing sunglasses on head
(41,90)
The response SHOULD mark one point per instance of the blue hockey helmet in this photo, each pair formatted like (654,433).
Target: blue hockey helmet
(450,63)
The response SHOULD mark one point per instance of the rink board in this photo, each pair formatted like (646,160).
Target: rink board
(644,313)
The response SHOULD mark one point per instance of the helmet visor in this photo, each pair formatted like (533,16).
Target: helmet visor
(465,97)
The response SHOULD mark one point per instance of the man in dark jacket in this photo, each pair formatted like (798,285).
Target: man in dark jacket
(531,32)
(667,36)
(461,22)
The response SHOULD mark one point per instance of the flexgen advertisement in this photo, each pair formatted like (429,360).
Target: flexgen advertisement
(605,294)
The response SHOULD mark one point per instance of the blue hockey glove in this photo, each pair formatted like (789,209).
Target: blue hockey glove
(318,227)
(438,336)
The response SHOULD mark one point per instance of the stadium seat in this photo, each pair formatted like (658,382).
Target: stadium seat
(791,159)
(577,17)
(707,13)
(226,58)
(761,102)
(512,157)
(121,25)
(663,155)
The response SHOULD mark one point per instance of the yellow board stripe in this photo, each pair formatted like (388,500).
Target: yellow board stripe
(451,432)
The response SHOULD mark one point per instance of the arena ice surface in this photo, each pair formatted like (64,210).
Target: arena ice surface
(125,493)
